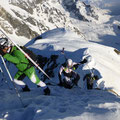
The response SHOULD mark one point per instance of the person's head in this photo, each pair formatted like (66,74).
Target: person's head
(4,45)
(69,63)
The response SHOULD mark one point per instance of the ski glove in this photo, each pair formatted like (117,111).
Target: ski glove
(84,61)
(75,66)
(47,91)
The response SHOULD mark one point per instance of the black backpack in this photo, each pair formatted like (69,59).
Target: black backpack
(29,52)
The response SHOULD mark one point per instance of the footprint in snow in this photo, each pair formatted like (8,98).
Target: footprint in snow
(62,110)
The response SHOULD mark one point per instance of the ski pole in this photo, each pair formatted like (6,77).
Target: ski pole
(4,78)
(12,82)
(2,75)
(63,52)
(26,55)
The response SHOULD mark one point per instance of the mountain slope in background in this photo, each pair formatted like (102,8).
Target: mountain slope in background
(111,5)
(28,18)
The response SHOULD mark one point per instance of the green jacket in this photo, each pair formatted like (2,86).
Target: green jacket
(18,58)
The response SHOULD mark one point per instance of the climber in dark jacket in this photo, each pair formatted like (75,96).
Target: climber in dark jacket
(90,78)
(71,78)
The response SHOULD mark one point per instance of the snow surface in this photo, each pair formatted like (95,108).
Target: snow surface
(97,44)
(103,58)
(65,104)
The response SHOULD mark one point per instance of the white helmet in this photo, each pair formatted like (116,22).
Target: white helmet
(69,63)
(3,42)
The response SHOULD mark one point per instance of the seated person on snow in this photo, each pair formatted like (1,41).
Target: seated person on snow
(25,68)
(71,78)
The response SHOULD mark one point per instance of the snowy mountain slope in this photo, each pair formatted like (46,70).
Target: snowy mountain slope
(82,11)
(36,17)
(105,34)
(97,43)
(103,58)
(27,19)
(67,104)
(63,104)
(111,5)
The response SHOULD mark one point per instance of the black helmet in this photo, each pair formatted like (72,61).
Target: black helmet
(3,43)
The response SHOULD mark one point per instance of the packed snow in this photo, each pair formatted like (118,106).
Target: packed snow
(77,103)
(97,44)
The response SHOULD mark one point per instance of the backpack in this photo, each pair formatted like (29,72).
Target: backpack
(29,52)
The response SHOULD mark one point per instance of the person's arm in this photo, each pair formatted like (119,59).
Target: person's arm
(75,65)
(59,75)
(11,58)
(82,62)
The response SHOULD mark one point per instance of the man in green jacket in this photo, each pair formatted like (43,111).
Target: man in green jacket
(25,68)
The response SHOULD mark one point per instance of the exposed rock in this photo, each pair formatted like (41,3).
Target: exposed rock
(21,28)
(30,18)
